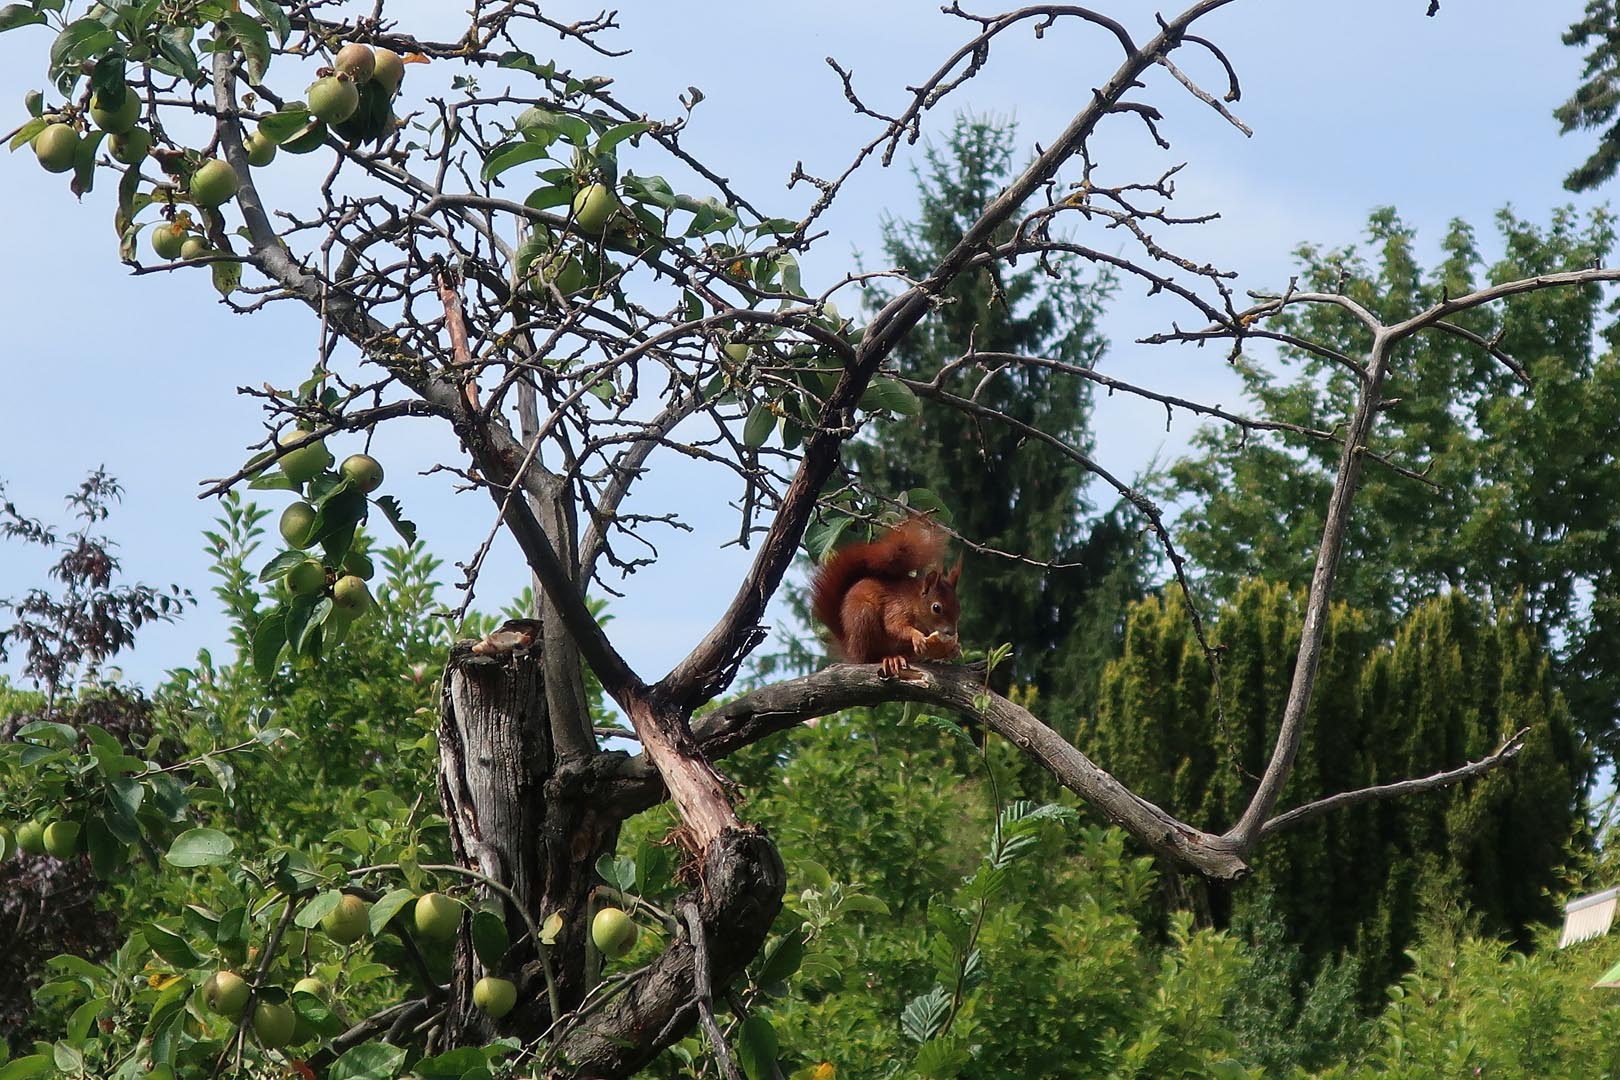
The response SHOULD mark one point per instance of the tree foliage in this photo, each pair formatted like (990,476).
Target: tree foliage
(1518,478)
(1454,682)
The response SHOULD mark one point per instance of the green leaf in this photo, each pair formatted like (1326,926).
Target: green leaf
(391,510)
(317,909)
(942,1059)
(273,14)
(26,1067)
(174,46)
(384,910)
(618,872)
(307,139)
(490,939)
(922,1019)
(170,946)
(227,276)
(248,34)
(783,958)
(761,422)
(26,133)
(84,162)
(277,567)
(286,122)
(15,15)
(268,639)
(756,1048)
(509,156)
(888,394)
(368,1061)
(616,135)
(78,41)
(200,847)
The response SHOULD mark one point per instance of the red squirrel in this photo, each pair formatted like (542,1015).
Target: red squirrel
(891,601)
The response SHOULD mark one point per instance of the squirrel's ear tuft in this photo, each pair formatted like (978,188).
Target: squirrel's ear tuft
(929,581)
(956,573)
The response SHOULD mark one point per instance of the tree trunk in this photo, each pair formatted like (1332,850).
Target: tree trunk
(520,818)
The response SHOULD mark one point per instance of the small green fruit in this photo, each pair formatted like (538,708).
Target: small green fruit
(307,461)
(494,996)
(309,984)
(213,184)
(737,352)
(226,994)
(387,69)
(296,522)
(613,931)
(307,578)
(348,922)
(62,839)
(168,239)
(437,916)
(363,471)
(359,566)
(116,121)
(260,148)
(57,147)
(194,247)
(350,595)
(8,843)
(333,99)
(273,1023)
(131,147)
(31,837)
(356,61)
(594,205)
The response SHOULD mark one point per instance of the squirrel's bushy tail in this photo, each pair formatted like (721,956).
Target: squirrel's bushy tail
(908,548)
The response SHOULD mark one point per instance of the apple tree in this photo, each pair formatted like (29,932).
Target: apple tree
(528,244)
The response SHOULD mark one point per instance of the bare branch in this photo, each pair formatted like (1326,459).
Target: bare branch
(1502,755)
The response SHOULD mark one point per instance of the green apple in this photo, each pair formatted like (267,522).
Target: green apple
(213,184)
(437,917)
(348,922)
(120,120)
(307,461)
(62,839)
(261,149)
(194,247)
(358,565)
(273,1023)
(613,931)
(57,148)
(307,578)
(333,99)
(8,843)
(167,240)
(296,522)
(357,61)
(594,205)
(737,352)
(349,594)
(388,69)
(226,994)
(309,984)
(363,471)
(31,837)
(494,996)
(131,147)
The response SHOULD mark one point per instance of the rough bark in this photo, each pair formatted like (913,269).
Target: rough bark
(520,818)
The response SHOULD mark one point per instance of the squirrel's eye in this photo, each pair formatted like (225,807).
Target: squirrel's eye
(938,610)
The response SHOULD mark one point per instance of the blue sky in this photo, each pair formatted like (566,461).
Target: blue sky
(1353,104)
